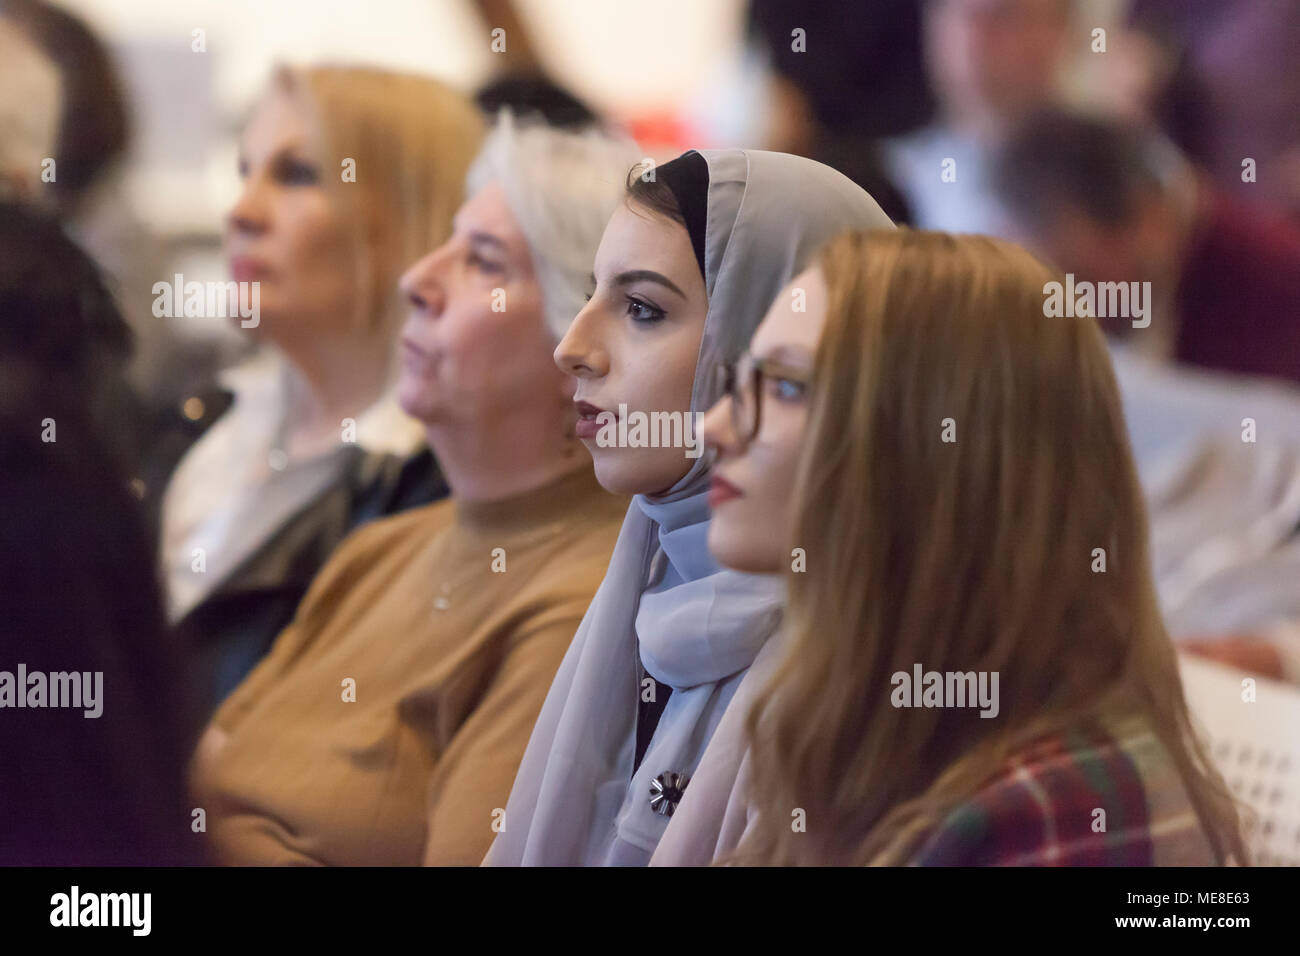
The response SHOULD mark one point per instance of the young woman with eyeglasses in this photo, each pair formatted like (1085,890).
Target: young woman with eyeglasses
(952,470)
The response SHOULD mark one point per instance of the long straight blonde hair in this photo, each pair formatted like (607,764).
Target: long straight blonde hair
(411,140)
(975,553)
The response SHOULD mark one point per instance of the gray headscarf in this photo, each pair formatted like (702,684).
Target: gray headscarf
(696,626)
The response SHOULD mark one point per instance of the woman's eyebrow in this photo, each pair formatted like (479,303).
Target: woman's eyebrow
(292,149)
(487,239)
(795,357)
(647,275)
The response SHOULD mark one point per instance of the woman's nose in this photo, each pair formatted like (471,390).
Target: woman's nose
(422,284)
(578,354)
(249,215)
(718,434)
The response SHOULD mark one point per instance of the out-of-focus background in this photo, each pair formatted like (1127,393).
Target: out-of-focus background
(714,73)
(683,61)
(691,72)
(682,73)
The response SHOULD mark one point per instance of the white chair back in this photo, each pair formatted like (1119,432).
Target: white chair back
(1256,746)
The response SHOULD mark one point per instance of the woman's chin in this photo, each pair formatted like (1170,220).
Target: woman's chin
(416,401)
(612,478)
(729,548)
(623,471)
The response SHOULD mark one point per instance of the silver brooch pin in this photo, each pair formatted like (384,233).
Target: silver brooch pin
(666,791)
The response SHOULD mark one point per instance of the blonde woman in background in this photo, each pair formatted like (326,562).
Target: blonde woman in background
(349,175)
(967,502)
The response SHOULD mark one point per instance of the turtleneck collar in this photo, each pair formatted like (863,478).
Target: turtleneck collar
(531,509)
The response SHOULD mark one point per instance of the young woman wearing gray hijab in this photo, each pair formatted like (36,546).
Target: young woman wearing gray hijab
(685,271)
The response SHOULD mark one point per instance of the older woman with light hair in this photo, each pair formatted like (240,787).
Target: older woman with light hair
(349,174)
(386,724)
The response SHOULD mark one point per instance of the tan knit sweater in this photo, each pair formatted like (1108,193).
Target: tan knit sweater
(448,647)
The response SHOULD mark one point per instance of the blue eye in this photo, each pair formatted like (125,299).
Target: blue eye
(786,390)
(643,312)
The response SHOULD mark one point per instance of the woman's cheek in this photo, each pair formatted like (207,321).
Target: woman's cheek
(657,383)
(776,459)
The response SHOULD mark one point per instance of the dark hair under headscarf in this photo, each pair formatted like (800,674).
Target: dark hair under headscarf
(679,190)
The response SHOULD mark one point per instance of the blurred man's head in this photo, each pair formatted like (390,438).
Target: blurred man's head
(30,107)
(533,94)
(1093,196)
(991,61)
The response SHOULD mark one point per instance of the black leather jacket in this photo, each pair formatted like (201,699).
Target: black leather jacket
(234,626)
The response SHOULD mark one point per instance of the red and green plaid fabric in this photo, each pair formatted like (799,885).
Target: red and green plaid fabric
(1087,798)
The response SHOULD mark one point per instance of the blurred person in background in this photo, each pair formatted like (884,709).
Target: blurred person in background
(845,83)
(1229,89)
(1115,202)
(451,619)
(1218,456)
(532,94)
(31,111)
(1225,523)
(30,92)
(348,175)
(101,783)
(522,84)
(990,63)
(87,189)
(94,120)
(81,346)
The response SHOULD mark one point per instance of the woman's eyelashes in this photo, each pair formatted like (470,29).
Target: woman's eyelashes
(786,389)
(296,172)
(642,312)
(287,170)
(483,264)
(637,309)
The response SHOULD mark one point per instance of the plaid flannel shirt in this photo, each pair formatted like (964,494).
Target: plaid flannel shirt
(1043,809)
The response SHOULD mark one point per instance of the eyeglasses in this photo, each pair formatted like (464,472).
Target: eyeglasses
(742,382)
